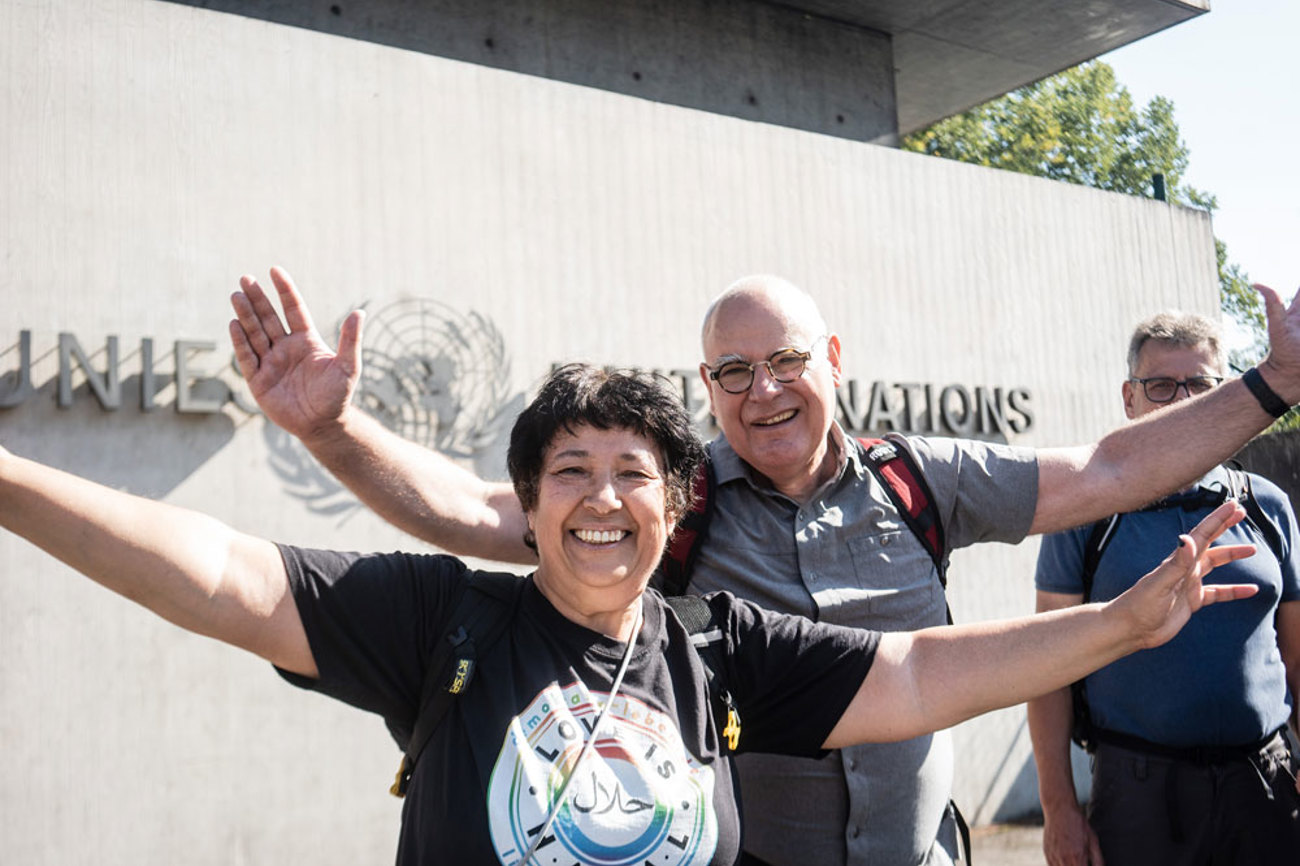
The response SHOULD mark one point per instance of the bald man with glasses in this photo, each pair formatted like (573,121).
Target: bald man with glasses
(1190,762)
(800,523)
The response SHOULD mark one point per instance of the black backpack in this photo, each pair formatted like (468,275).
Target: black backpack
(1082,730)
(486,606)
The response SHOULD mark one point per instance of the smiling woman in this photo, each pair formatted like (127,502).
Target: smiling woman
(600,521)
(589,723)
(602,463)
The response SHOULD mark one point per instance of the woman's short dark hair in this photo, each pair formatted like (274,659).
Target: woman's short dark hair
(578,394)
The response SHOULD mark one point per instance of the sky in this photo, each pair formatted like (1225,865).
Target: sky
(1233,75)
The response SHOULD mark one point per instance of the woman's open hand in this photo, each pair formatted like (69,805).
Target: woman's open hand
(1160,604)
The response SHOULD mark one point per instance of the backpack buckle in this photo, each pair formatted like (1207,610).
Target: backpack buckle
(403,779)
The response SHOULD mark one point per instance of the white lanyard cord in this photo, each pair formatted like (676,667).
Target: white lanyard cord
(586,747)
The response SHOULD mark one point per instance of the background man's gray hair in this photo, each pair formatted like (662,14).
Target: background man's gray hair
(1175,328)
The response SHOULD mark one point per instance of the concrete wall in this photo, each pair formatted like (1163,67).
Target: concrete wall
(151,152)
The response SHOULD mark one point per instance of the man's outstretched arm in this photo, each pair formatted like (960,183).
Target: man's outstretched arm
(1170,449)
(306,388)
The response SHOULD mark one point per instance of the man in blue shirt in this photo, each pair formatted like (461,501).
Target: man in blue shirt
(1190,763)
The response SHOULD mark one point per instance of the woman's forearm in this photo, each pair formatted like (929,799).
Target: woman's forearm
(931,679)
(934,678)
(998,664)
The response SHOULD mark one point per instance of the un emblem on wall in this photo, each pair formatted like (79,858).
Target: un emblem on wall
(429,373)
(434,375)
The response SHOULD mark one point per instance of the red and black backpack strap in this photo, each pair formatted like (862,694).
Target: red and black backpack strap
(897,471)
(679,559)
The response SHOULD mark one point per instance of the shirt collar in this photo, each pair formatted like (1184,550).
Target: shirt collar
(728,465)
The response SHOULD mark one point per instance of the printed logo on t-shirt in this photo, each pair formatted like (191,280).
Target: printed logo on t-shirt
(639,796)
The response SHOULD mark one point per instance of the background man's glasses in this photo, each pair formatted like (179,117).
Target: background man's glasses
(785,366)
(1162,389)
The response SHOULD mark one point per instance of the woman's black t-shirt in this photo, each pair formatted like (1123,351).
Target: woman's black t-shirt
(656,787)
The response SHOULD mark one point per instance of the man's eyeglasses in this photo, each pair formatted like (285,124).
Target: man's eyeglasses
(784,365)
(1162,389)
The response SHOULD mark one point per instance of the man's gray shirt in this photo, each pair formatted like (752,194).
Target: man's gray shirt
(847,557)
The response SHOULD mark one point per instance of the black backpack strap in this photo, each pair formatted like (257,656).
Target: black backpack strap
(1239,488)
(684,547)
(897,471)
(480,616)
(706,636)
(1099,538)
(967,856)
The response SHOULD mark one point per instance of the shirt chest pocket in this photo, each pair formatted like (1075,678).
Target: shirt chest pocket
(898,579)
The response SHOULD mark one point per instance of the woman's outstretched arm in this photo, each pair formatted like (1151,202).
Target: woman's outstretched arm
(186,567)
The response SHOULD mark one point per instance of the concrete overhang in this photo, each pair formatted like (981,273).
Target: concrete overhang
(867,70)
(950,55)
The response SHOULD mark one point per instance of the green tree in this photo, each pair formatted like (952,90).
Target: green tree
(1080,126)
